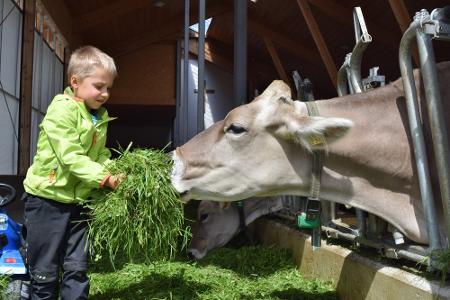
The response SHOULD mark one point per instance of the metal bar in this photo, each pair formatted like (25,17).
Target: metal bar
(175,132)
(355,62)
(417,135)
(240,52)
(342,81)
(413,253)
(436,118)
(201,67)
(185,81)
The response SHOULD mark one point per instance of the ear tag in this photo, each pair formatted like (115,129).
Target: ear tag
(224,205)
(315,140)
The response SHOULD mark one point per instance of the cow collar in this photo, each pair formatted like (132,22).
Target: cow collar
(240,207)
(318,156)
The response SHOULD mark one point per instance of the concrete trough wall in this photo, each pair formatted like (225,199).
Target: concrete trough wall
(354,276)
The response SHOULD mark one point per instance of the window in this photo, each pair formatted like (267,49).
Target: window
(207,24)
(49,31)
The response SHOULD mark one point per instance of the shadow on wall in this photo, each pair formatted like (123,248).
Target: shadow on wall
(145,126)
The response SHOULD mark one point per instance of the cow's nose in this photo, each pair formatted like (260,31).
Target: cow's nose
(191,254)
(194,254)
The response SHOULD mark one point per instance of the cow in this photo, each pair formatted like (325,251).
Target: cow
(263,148)
(217,224)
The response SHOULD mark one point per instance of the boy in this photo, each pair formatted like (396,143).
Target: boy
(69,163)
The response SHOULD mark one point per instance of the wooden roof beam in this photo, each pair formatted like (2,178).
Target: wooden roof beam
(294,47)
(112,11)
(319,40)
(404,20)
(171,30)
(276,60)
(224,62)
(211,56)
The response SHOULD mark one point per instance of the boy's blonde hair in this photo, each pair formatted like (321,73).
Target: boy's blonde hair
(84,60)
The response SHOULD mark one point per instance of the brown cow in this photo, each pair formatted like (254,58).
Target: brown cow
(263,149)
(216,224)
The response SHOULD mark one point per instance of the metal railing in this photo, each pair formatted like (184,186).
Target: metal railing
(424,28)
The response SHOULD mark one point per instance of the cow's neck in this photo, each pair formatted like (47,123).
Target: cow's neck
(371,167)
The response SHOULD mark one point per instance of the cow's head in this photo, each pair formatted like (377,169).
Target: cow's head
(259,149)
(217,223)
(214,227)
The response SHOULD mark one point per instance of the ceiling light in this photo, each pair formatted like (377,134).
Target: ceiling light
(159,3)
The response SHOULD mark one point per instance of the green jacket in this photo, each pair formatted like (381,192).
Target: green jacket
(71,154)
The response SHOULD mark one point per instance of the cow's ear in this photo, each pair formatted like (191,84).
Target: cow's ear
(277,89)
(314,133)
(317,132)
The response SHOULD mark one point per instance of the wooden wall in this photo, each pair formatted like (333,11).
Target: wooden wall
(143,97)
(146,77)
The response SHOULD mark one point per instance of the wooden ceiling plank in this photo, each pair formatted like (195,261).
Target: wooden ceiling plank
(110,12)
(223,61)
(341,14)
(211,56)
(401,13)
(319,40)
(276,60)
(403,18)
(171,29)
(293,47)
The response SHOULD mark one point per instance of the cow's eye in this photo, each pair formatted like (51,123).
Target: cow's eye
(203,217)
(235,129)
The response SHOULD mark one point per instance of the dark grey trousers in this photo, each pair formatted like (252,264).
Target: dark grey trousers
(56,242)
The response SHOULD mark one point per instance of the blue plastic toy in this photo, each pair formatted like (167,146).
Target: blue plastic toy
(11,261)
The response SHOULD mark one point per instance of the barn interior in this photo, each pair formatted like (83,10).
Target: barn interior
(146,39)
(311,37)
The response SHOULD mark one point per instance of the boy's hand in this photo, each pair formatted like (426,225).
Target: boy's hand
(114,180)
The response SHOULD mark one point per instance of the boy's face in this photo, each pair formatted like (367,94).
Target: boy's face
(93,89)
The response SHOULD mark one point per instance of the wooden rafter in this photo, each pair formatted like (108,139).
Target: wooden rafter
(276,60)
(170,30)
(211,56)
(319,40)
(294,47)
(114,10)
(26,86)
(401,13)
(403,19)
(223,61)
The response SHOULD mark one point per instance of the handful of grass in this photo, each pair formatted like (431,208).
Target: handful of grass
(142,219)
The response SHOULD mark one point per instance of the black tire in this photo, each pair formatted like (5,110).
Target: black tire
(18,289)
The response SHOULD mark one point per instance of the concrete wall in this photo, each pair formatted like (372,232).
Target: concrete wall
(354,276)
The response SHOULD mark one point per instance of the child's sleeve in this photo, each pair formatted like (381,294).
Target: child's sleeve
(60,126)
(104,156)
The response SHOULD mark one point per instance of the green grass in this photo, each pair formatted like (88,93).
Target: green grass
(143,218)
(3,285)
(245,273)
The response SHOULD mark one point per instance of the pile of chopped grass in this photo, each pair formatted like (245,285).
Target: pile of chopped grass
(245,273)
(4,279)
(142,219)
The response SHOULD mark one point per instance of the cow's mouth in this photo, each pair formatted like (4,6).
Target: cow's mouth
(184,197)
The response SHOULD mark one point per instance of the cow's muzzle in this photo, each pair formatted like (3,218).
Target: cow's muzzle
(178,170)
